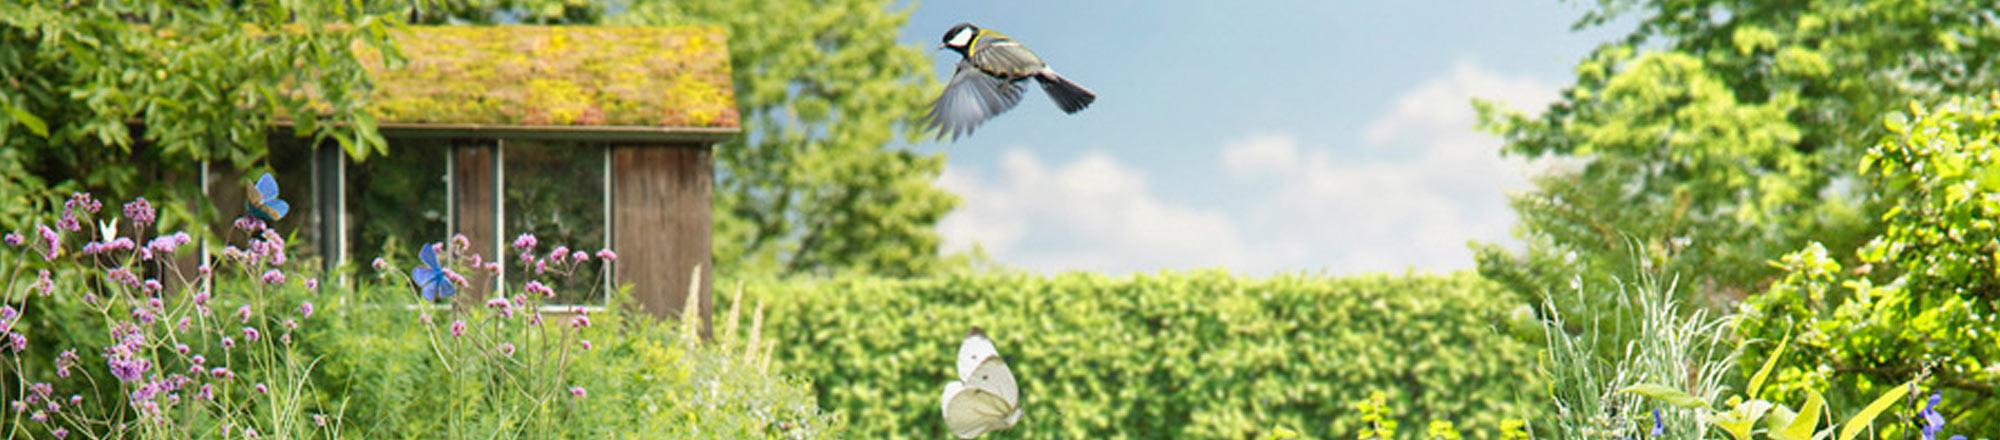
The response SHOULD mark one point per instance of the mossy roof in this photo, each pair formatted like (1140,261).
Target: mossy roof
(585,77)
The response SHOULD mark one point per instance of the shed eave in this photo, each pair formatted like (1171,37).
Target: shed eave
(594,133)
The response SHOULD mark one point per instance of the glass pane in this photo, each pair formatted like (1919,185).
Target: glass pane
(555,190)
(291,162)
(397,202)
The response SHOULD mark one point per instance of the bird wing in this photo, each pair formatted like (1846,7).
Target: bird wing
(1001,56)
(971,98)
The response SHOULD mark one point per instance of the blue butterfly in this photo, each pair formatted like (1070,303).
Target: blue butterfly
(430,278)
(264,203)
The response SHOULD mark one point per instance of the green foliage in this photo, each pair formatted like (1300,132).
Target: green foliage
(1717,133)
(381,363)
(1921,301)
(813,186)
(1197,355)
(79,76)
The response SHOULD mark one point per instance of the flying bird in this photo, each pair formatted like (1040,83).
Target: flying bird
(985,398)
(987,81)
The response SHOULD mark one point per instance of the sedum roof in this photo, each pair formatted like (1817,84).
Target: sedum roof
(581,77)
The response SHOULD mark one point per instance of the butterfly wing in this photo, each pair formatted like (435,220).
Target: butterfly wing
(445,288)
(973,351)
(993,376)
(427,282)
(267,188)
(970,412)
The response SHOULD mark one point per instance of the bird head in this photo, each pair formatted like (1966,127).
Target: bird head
(959,37)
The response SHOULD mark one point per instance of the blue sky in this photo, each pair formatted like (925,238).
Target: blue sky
(1260,137)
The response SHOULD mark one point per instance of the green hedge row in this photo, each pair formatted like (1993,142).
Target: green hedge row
(1181,355)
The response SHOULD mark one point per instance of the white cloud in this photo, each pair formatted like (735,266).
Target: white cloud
(1420,185)
(1092,214)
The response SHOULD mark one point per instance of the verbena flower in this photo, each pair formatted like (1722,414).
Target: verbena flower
(251,334)
(274,277)
(52,243)
(580,321)
(380,264)
(536,287)
(243,314)
(586,344)
(524,242)
(607,255)
(312,284)
(306,309)
(15,239)
(140,212)
(221,373)
(507,349)
(460,243)
(577,391)
(458,328)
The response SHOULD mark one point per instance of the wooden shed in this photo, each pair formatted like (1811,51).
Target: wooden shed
(588,137)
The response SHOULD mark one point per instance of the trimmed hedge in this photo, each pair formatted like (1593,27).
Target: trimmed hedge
(1202,354)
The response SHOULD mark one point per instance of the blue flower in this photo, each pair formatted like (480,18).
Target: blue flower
(1658,427)
(1933,423)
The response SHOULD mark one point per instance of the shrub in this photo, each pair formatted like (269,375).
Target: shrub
(1922,302)
(1202,355)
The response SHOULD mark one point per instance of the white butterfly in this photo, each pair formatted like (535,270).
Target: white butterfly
(105,231)
(984,399)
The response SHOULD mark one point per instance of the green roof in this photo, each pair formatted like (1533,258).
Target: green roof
(575,77)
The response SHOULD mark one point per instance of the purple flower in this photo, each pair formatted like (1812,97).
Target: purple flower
(312,284)
(536,287)
(150,286)
(507,349)
(249,432)
(52,242)
(228,343)
(140,212)
(586,344)
(15,239)
(251,334)
(306,309)
(1933,423)
(123,276)
(221,373)
(607,255)
(576,391)
(60,432)
(125,366)
(167,244)
(524,242)
(1658,427)
(261,389)
(45,281)
(580,321)
(66,361)
(457,328)
(274,276)
(380,264)
(18,342)
(501,306)
(249,224)
(182,349)
(197,360)
(460,243)
(559,254)
(243,314)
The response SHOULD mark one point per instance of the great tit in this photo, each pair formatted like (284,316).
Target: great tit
(986,82)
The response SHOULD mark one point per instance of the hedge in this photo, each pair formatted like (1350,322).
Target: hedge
(1180,355)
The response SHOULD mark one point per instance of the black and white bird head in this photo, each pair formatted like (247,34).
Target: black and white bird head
(959,38)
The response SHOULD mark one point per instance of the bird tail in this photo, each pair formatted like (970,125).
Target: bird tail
(1067,94)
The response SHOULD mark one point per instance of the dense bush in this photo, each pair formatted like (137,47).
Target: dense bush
(1197,355)
(1922,302)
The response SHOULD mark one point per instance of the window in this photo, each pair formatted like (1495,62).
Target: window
(556,191)
(397,202)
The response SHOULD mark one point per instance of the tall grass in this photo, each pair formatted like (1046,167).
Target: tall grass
(1684,350)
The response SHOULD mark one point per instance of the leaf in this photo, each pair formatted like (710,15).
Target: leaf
(34,124)
(1801,425)
(1757,380)
(1666,394)
(1867,415)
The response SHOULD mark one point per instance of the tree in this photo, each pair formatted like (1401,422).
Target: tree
(206,82)
(1721,134)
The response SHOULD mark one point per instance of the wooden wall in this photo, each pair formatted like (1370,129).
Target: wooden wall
(476,205)
(660,223)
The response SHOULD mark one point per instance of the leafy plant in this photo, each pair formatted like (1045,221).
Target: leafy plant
(1203,355)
